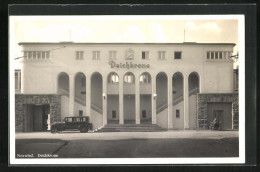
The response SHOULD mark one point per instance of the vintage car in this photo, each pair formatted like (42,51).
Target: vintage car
(80,123)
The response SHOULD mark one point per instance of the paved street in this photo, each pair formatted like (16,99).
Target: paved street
(129,144)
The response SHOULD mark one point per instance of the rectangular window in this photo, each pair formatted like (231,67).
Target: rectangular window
(79,55)
(145,55)
(47,54)
(177,113)
(80,112)
(212,55)
(34,54)
(17,76)
(143,113)
(161,55)
(113,114)
(38,54)
(29,54)
(25,54)
(220,55)
(216,55)
(96,55)
(177,55)
(208,55)
(43,55)
(112,55)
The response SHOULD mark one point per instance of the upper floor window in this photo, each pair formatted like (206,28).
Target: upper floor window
(145,54)
(79,55)
(218,55)
(17,76)
(113,78)
(129,78)
(177,55)
(112,55)
(96,55)
(145,78)
(33,55)
(161,55)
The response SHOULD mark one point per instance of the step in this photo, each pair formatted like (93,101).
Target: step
(131,128)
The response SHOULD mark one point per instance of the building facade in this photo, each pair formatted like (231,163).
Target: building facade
(174,85)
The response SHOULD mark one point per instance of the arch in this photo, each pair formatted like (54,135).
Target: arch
(80,86)
(161,91)
(112,77)
(63,82)
(177,100)
(129,77)
(177,85)
(194,81)
(145,77)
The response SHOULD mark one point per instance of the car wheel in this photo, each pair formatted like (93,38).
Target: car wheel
(53,130)
(84,130)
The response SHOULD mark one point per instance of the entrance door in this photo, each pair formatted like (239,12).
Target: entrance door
(218,114)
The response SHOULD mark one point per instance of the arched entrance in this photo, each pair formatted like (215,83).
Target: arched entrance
(113,98)
(145,98)
(177,101)
(193,90)
(129,98)
(162,100)
(80,94)
(63,90)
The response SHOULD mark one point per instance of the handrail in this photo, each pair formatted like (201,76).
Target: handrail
(82,101)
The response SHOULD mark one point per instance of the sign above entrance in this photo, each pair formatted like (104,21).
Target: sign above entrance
(127,65)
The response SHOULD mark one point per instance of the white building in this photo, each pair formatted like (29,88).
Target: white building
(174,85)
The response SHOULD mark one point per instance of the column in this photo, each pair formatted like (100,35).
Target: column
(153,99)
(121,100)
(169,101)
(137,101)
(88,96)
(71,94)
(186,101)
(104,97)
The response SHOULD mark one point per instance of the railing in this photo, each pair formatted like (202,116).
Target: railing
(81,101)
(175,101)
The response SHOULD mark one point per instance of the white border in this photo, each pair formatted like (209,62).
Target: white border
(97,161)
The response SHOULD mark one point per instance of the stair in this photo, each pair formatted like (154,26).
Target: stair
(131,128)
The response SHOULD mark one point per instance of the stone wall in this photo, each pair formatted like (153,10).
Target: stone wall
(204,99)
(20,100)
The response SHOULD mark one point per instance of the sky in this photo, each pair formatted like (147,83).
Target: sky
(132,29)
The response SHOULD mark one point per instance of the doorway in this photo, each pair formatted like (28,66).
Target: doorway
(36,117)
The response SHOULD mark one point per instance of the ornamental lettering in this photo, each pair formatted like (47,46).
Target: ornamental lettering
(127,65)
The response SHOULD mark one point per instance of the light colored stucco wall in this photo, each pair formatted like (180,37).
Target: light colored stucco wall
(193,112)
(162,118)
(178,123)
(146,104)
(129,107)
(40,76)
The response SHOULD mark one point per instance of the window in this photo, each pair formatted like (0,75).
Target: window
(81,113)
(218,55)
(161,55)
(96,55)
(177,55)
(112,55)
(79,55)
(145,55)
(208,55)
(129,78)
(143,113)
(113,114)
(177,113)
(36,55)
(145,78)
(17,75)
(113,78)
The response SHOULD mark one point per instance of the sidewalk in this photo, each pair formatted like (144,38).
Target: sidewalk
(69,135)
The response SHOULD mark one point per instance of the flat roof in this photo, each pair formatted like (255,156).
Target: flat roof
(117,43)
